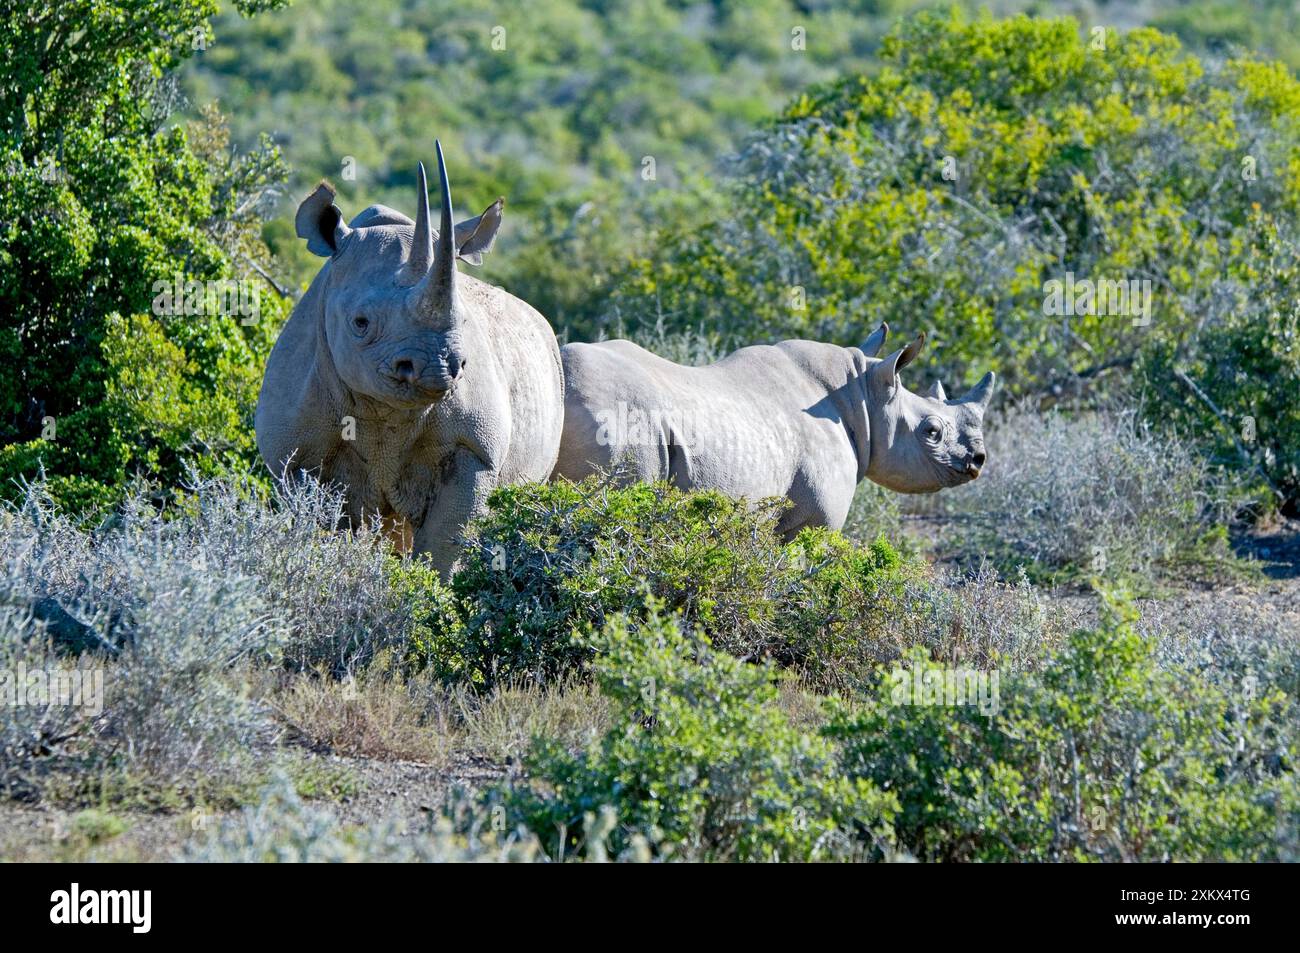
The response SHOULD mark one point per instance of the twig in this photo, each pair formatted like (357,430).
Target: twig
(1223,419)
(279,289)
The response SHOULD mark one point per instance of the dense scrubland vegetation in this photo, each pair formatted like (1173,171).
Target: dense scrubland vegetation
(712,648)
(656,673)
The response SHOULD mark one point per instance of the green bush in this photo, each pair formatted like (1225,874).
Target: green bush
(551,559)
(699,764)
(1103,754)
(1237,382)
(99,203)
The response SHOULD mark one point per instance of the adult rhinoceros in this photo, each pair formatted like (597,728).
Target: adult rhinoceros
(416,388)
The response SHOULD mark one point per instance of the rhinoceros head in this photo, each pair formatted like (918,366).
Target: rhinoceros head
(922,443)
(394,321)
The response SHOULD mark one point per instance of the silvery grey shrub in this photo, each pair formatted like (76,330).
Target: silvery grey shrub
(173,606)
(281,828)
(1090,494)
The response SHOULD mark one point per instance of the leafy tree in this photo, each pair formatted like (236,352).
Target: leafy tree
(1237,381)
(102,205)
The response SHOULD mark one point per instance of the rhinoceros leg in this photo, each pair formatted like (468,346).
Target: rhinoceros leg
(398,529)
(462,495)
(815,501)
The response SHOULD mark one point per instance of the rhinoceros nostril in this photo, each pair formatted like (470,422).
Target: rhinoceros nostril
(978,458)
(404,370)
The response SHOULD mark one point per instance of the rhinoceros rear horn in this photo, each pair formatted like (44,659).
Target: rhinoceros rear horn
(936,391)
(422,243)
(417,264)
(981,392)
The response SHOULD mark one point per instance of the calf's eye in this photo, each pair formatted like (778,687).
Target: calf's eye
(360,324)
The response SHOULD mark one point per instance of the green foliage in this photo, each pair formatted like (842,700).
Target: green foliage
(95,826)
(100,205)
(1246,368)
(556,106)
(699,764)
(585,91)
(1222,27)
(1103,754)
(434,631)
(551,559)
(1130,162)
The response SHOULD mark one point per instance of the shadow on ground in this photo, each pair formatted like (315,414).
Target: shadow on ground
(1277,549)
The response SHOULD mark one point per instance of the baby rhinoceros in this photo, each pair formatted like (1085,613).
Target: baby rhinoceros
(416,388)
(799,419)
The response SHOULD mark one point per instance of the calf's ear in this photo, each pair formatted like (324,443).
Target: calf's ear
(320,222)
(875,341)
(884,376)
(474,236)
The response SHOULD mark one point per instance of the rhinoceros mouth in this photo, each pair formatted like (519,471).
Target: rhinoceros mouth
(420,394)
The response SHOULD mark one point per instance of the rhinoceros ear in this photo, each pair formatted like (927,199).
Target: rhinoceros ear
(474,236)
(875,341)
(884,376)
(320,223)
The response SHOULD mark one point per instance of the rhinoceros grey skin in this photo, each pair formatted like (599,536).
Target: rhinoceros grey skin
(416,388)
(799,419)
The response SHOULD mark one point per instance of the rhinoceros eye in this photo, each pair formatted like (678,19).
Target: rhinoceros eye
(932,430)
(360,324)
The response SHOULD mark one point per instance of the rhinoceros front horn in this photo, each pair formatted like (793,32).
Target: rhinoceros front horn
(440,283)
